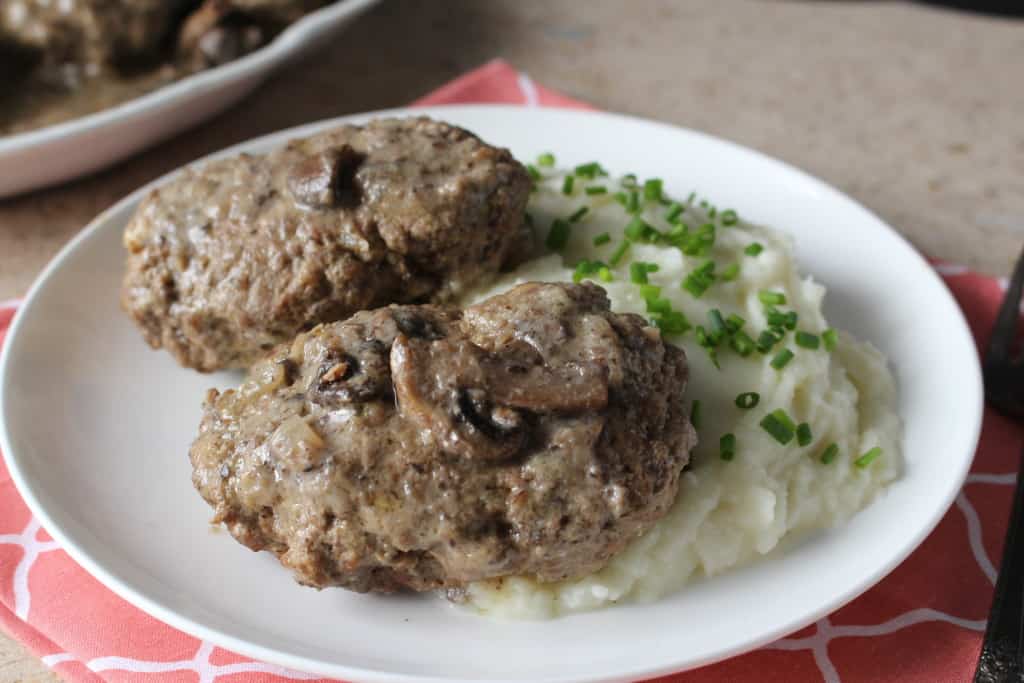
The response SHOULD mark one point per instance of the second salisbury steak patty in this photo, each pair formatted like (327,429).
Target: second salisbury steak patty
(228,260)
(535,433)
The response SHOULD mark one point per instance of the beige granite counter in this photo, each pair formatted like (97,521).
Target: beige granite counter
(917,112)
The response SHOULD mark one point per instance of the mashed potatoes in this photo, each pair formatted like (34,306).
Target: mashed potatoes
(729,511)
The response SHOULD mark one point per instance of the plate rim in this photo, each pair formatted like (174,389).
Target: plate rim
(307,664)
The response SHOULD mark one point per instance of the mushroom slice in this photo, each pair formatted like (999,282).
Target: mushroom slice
(572,387)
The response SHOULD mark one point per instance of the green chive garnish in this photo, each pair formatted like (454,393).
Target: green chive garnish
(637,273)
(695,414)
(866,459)
(652,189)
(567,185)
(830,453)
(619,252)
(605,274)
(591,170)
(621,198)
(675,210)
(729,217)
(690,197)
(648,292)
(558,236)
(806,340)
(831,338)
(596,189)
(633,202)
(603,238)
(771,298)
(534,173)
(546,159)
(578,214)
(779,425)
(717,321)
(766,341)
(748,400)
(638,230)
(658,305)
(741,343)
(731,272)
(629,180)
(673,322)
(803,434)
(753,249)
(781,359)
(791,319)
(727,446)
(734,322)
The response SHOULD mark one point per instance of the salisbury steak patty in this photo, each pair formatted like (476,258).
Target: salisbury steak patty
(230,259)
(535,433)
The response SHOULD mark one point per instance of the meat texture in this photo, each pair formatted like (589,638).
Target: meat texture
(420,447)
(230,259)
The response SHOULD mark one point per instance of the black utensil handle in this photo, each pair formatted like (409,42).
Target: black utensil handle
(1001,651)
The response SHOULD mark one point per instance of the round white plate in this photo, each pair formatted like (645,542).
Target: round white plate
(50,155)
(96,430)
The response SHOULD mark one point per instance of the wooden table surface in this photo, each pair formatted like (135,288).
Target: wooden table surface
(915,111)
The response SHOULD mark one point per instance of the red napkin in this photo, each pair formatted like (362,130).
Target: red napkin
(923,623)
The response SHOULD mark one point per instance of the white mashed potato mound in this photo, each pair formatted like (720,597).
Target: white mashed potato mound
(727,512)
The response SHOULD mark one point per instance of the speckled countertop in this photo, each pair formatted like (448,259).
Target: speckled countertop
(917,112)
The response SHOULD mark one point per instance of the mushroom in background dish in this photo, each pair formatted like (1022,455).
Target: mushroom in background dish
(418,447)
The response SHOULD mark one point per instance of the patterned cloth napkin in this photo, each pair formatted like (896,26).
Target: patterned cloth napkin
(923,623)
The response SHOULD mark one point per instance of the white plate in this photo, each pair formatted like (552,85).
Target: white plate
(46,156)
(96,429)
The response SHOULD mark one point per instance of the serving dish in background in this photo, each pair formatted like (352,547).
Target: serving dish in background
(46,156)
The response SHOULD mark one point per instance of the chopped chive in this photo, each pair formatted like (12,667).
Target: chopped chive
(766,341)
(658,305)
(727,446)
(690,197)
(695,414)
(753,249)
(729,217)
(619,252)
(831,338)
(717,321)
(734,322)
(712,212)
(621,198)
(731,272)
(558,236)
(605,274)
(806,340)
(803,434)
(779,426)
(546,159)
(596,189)
(633,202)
(741,343)
(534,173)
(675,210)
(638,230)
(713,357)
(771,298)
(781,359)
(702,336)
(653,189)
(748,400)
(866,459)
(629,180)
(830,453)
(696,285)
(578,214)
(673,322)
(567,185)
(775,317)
(649,292)
(637,273)
(791,320)
(603,238)
(591,170)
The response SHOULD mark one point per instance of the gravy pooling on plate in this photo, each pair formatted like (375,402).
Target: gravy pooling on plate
(61,60)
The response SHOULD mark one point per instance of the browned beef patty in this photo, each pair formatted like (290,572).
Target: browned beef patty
(417,447)
(232,258)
